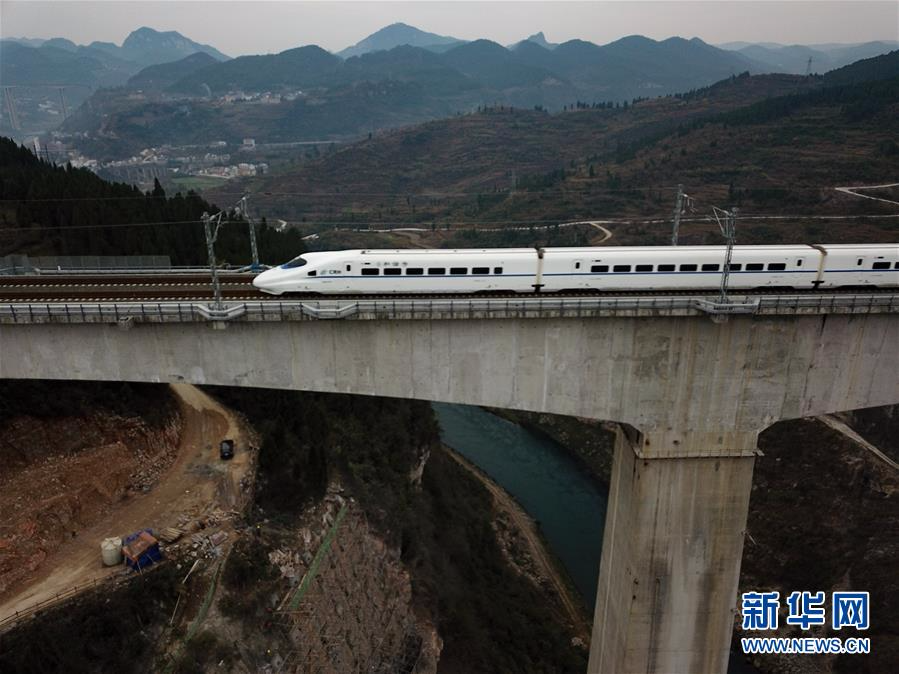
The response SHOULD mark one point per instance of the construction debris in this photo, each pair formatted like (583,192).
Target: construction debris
(170,534)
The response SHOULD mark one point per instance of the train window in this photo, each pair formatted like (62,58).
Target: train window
(735,266)
(392,271)
(370,271)
(666,267)
(711,267)
(436,271)
(688,267)
(294,263)
(859,262)
(799,262)
(497,270)
(458,271)
(577,265)
(312,273)
(480,270)
(348,267)
(599,268)
(881,265)
(414,271)
(755,266)
(644,267)
(896,266)
(621,267)
(776,266)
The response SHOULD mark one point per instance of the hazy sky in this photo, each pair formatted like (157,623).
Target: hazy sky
(241,27)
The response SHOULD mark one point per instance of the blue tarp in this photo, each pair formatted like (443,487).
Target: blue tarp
(148,556)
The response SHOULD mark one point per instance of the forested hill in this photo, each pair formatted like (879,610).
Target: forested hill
(54,210)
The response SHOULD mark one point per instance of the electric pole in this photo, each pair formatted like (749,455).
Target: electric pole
(211,236)
(678,209)
(729,230)
(254,251)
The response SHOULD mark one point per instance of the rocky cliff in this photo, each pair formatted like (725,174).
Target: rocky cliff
(824,515)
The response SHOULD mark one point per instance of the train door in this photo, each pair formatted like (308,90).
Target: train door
(346,281)
(580,269)
(880,274)
(580,278)
(861,267)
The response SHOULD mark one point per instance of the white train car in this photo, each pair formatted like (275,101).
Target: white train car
(858,265)
(425,271)
(683,267)
(528,270)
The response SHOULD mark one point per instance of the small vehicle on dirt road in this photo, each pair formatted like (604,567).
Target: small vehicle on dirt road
(226,449)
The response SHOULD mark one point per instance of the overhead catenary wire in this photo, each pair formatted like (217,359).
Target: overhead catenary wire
(460,224)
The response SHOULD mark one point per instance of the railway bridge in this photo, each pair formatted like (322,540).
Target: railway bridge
(691,382)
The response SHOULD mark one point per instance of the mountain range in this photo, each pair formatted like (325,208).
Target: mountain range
(647,65)
(33,62)
(773,55)
(174,87)
(313,94)
(527,74)
(798,59)
(37,68)
(770,56)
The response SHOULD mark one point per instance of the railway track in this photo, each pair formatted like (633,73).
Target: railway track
(131,281)
(125,288)
(239,288)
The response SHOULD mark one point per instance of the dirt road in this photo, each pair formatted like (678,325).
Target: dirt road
(506,504)
(197,483)
(838,425)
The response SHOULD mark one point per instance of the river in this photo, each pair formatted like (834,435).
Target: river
(569,505)
(553,488)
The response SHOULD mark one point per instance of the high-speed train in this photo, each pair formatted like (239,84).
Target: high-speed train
(530,270)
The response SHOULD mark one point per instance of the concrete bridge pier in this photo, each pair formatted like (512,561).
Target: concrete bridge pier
(671,553)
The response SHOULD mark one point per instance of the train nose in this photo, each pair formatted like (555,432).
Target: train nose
(264,281)
(259,280)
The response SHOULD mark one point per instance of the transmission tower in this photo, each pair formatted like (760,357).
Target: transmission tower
(808,67)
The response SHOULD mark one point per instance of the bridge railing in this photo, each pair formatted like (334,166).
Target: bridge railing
(128,313)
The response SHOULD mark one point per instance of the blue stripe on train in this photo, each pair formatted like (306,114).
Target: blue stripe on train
(609,273)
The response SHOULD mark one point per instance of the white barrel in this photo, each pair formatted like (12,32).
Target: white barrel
(111,551)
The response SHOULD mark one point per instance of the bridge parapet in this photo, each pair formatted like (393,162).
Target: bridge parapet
(449,309)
